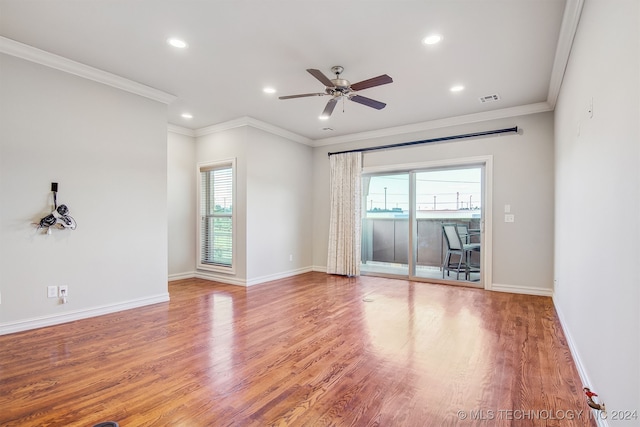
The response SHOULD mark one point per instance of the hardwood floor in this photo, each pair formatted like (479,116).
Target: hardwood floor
(312,350)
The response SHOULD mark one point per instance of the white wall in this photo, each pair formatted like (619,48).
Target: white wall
(107,149)
(279,203)
(598,202)
(522,177)
(181,204)
(273,202)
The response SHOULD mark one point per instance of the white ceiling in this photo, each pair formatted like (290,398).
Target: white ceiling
(514,48)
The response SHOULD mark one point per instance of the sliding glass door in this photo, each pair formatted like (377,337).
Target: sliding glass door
(406,217)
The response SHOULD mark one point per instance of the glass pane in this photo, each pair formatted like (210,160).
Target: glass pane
(217,243)
(222,191)
(448,197)
(385,226)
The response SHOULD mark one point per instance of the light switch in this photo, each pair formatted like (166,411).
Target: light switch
(507,208)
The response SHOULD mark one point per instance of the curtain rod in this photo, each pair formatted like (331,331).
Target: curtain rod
(427,141)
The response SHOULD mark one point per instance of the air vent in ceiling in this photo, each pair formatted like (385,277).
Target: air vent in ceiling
(490,98)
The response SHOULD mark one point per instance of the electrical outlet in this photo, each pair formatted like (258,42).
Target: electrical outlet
(290,257)
(509,218)
(52,291)
(64,293)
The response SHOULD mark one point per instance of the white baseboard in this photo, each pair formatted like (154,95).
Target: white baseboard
(250,282)
(227,280)
(577,360)
(527,290)
(277,276)
(182,276)
(56,319)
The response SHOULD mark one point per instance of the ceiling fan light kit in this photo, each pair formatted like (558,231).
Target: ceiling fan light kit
(341,88)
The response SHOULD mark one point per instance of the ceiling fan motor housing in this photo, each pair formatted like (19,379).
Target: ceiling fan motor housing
(341,85)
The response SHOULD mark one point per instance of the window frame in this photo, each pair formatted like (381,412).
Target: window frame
(205,167)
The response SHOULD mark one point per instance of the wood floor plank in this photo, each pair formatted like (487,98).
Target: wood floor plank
(310,350)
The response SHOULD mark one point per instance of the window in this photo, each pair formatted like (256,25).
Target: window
(216,222)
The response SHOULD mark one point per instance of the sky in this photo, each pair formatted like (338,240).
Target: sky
(443,184)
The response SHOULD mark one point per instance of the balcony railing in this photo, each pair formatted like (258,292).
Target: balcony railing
(387,240)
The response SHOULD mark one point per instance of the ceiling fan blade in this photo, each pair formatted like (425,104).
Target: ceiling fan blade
(375,81)
(329,108)
(323,79)
(368,102)
(302,95)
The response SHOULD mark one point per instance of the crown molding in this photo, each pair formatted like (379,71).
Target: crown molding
(220,127)
(279,131)
(38,56)
(249,121)
(568,29)
(181,130)
(521,110)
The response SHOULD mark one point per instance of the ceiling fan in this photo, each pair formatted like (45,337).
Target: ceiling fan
(340,88)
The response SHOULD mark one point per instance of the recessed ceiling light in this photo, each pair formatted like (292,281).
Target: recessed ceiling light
(432,39)
(457,88)
(324,117)
(269,90)
(187,116)
(180,44)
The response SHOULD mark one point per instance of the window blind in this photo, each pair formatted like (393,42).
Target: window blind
(216,215)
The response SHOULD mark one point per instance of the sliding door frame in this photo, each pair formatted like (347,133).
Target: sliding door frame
(486,226)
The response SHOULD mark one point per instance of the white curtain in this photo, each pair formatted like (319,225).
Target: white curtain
(345,205)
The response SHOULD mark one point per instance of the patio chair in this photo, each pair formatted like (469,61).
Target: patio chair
(458,252)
